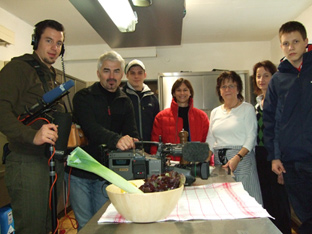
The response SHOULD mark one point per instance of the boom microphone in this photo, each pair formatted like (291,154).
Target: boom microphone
(52,95)
(46,103)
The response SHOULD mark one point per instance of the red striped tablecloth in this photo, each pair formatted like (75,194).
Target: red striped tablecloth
(216,201)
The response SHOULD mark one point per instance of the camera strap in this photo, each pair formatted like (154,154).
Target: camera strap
(34,63)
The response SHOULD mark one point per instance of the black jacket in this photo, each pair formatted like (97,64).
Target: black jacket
(101,123)
(146,108)
(287,112)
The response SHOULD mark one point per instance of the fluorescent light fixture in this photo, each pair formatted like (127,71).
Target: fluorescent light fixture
(142,3)
(121,14)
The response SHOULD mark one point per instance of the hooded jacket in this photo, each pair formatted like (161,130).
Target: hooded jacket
(287,112)
(145,109)
(167,124)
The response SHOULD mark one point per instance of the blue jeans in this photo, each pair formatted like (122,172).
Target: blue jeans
(298,182)
(86,197)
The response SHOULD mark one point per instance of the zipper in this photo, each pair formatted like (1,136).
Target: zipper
(140,117)
(188,119)
(130,91)
(176,132)
(109,111)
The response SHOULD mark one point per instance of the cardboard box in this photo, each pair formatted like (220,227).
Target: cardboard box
(6,220)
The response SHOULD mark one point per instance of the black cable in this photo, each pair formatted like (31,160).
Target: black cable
(64,76)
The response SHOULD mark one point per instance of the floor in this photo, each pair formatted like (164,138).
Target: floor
(67,225)
(294,230)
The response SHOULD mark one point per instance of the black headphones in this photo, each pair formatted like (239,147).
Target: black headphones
(35,41)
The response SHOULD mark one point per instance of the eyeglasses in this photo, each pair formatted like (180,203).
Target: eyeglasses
(224,87)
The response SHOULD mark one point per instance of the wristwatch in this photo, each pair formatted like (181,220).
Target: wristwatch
(240,156)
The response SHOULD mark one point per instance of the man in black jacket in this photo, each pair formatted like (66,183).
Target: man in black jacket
(146,105)
(106,116)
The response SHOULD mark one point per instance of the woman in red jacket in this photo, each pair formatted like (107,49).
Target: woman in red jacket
(181,115)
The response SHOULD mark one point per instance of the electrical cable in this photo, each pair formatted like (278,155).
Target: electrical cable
(72,220)
(52,155)
(68,186)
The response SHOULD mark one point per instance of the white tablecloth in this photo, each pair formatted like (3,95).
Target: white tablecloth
(207,202)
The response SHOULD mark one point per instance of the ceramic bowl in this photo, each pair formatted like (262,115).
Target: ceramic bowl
(145,207)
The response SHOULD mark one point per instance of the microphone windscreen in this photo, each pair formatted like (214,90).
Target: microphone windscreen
(195,151)
(58,91)
(64,121)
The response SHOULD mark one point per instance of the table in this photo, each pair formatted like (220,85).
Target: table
(238,226)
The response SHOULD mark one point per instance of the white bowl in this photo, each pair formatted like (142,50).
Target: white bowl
(146,207)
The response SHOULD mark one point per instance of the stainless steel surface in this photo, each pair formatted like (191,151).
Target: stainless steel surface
(238,226)
(204,85)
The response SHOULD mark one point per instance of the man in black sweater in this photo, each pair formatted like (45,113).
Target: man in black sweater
(106,116)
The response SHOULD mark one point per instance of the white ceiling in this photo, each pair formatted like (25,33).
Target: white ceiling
(205,20)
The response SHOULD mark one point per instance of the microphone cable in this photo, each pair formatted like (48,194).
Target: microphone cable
(72,220)
(55,179)
(64,77)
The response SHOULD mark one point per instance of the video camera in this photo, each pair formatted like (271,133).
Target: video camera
(134,164)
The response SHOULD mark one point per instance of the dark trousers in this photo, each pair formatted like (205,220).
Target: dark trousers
(27,178)
(274,195)
(298,181)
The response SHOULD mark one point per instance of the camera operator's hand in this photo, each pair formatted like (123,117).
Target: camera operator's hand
(126,142)
(46,134)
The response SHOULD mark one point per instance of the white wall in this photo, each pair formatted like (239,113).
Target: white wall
(188,57)
(80,61)
(23,32)
(305,18)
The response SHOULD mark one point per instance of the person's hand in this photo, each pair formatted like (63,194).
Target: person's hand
(126,142)
(278,169)
(232,163)
(46,134)
(280,179)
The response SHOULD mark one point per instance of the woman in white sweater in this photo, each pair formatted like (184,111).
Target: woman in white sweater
(232,133)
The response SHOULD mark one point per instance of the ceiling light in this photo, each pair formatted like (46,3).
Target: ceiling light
(121,14)
(142,3)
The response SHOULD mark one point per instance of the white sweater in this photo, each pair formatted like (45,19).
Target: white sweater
(236,128)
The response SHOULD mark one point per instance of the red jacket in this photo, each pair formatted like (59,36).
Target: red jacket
(168,125)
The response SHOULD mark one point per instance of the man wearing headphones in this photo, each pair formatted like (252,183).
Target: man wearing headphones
(27,168)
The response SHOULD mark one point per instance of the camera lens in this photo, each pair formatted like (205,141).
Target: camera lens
(200,169)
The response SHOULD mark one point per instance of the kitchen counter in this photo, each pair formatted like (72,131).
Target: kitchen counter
(237,226)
